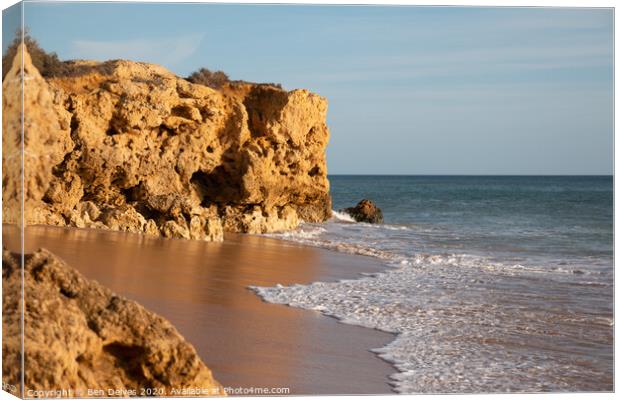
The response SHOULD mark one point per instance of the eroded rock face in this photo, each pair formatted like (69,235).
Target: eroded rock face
(129,146)
(366,211)
(79,335)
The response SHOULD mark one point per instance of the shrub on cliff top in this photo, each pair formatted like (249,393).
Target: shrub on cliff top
(48,64)
(217,79)
(213,79)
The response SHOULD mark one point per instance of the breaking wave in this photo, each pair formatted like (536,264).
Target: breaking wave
(464,322)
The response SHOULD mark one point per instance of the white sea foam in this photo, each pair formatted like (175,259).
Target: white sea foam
(304,233)
(313,235)
(342,216)
(463,322)
(346,218)
(448,342)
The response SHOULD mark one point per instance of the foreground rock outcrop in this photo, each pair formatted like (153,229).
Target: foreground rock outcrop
(79,336)
(130,146)
(365,211)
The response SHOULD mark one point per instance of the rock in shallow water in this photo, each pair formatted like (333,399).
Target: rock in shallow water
(79,335)
(365,211)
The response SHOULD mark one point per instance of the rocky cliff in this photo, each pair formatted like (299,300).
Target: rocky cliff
(79,336)
(130,146)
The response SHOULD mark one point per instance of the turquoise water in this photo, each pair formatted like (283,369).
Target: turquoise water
(495,284)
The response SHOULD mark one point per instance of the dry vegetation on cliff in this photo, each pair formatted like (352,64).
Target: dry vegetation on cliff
(48,64)
(217,79)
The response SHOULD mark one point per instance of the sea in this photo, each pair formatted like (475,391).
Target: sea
(492,283)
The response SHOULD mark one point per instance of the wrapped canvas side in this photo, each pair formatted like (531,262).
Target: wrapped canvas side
(12,210)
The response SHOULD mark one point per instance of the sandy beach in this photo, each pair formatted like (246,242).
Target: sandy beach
(201,288)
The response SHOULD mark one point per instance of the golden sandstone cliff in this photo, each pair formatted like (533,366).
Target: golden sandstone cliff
(80,336)
(129,146)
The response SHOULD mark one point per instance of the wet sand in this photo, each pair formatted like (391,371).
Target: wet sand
(202,289)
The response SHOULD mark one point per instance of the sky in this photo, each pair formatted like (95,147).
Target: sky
(411,90)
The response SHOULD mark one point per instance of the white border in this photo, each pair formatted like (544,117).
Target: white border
(481,3)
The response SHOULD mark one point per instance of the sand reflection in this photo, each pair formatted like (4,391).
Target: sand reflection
(202,289)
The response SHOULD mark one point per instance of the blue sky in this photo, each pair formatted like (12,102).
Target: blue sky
(411,90)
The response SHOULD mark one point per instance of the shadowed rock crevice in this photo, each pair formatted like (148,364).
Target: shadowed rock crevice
(220,186)
(128,358)
(263,105)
